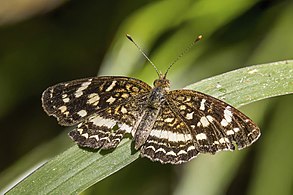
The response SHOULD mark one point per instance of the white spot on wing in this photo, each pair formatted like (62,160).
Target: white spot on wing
(99,121)
(93,99)
(170,136)
(95,136)
(79,91)
(155,133)
(111,86)
(151,147)
(204,121)
(230,132)
(224,123)
(64,95)
(125,95)
(188,137)
(228,114)
(66,113)
(106,138)
(236,129)
(82,113)
(126,128)
(79,130)
(224,140)
(111,100)
(66,100)
(182,152)
(188,98)
(182,107)
(123,110)
(210,118)
(62,109)
(202,104)
(78,94)
(181,137)
(190,148)
(83,87)
(201,136)
(189,116)
(160,150)
(171,153)
(168,120)
(86,135)
(51,93)
(86,84)
(164,134)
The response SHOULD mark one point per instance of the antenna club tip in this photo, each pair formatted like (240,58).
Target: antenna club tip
(199,37)
(129,37)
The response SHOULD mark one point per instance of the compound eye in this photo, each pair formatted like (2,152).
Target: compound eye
(156,82)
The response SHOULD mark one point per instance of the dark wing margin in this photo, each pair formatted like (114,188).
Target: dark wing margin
(74,101)
(215,124)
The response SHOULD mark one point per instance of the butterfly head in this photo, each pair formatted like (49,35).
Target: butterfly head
(162,82)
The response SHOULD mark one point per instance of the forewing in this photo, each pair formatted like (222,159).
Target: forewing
(170,140)
(215,125)
(74,101)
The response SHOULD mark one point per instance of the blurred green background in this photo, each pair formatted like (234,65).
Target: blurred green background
(43,43)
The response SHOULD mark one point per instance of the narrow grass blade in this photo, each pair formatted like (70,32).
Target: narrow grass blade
(76,169)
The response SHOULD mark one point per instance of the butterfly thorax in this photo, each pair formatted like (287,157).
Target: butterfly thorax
(151,111)
(157,95)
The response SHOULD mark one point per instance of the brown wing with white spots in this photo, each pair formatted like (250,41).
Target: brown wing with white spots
(106,128)
(74,101)
(215,125)
(170,140)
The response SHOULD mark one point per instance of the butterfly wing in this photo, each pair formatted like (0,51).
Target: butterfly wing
(192,122)
(106,128)
(71,102)
(215,124)
(104,108)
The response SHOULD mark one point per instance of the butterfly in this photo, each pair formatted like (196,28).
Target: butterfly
(169,126)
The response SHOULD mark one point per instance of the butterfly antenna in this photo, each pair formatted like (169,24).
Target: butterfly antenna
(183,53)
(139,48)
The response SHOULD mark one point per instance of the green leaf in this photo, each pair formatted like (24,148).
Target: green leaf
(250,84)
(76,169)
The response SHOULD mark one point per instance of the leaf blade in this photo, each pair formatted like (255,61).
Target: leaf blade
(275,79)
(84,168)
